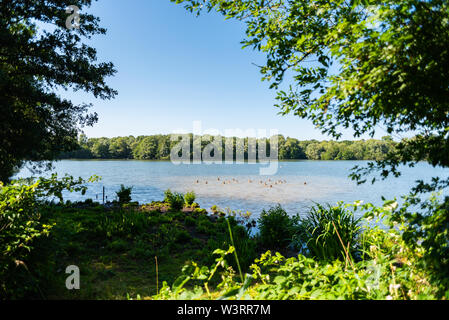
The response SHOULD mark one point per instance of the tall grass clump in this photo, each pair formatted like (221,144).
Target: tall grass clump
(328,233)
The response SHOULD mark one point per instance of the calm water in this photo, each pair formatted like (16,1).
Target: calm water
(327,182)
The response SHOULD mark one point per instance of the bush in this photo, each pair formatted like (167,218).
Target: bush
(323,231)
(20,226)
(276,228)
(426,231)
(124,194)
(190,198)
(175,200)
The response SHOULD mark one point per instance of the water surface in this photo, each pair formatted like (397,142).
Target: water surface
(296,186)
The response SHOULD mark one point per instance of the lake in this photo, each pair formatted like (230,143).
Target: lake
(296,186)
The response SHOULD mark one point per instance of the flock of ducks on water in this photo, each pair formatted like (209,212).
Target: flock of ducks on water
(267,183)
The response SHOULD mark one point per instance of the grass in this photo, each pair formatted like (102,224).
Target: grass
(328,233)
(116,249)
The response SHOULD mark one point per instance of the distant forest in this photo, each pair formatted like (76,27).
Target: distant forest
(157,147)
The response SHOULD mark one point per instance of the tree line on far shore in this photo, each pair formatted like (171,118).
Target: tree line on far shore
(158,147)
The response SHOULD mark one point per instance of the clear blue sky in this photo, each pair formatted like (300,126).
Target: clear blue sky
(175,68)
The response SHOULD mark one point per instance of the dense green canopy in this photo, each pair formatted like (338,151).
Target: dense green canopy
(39,56)
(157,147)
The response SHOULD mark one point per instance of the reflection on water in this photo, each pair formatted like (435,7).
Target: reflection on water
(297,185)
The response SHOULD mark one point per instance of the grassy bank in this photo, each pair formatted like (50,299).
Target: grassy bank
(116,249)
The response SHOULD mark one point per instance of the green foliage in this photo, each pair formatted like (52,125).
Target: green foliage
(199,211)
(192,272)
(275,277)
(182,237)
(328,233)
(175,200)
(158,148)
(22,226)
(189,198)
(276,228)
(120,223)
(124,194)
(55,186)
(38,123)
(190,222)
(425,231)
(388,269)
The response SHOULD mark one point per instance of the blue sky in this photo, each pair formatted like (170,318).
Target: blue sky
(175,68)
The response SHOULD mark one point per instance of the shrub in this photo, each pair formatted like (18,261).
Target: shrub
(323,230)
(124,194)
(20,226)
(276,228)
(190,198)
(175,200)
(426,231)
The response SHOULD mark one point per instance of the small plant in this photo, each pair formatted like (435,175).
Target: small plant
(124,194)
(218,211)
(190,198)
(329,233)
(175,200)
(195,205)
(276,228)
(199,212)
